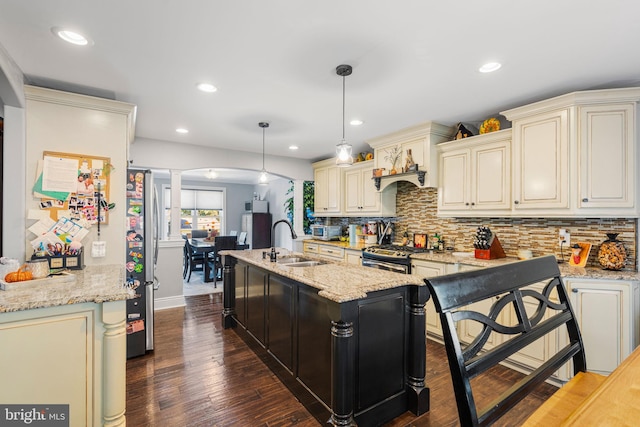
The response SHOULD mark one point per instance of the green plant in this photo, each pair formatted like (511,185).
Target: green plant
(307,204)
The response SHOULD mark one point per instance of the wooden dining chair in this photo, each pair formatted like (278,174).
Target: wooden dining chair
(196,260)
(506,287)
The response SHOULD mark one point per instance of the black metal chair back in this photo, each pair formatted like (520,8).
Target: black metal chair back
(507,286)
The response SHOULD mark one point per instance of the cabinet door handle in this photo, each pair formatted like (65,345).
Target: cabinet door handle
(585,200)
(516,202)
(574,290)
(466,204)
(473,204)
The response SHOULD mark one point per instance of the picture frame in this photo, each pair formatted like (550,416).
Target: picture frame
(419,240)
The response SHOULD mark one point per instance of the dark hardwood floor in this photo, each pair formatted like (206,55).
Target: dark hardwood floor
(202,375)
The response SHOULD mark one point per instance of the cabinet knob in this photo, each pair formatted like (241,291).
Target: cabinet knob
(585,200)
(466,204)
(574,290)
(516,202)
(473,204)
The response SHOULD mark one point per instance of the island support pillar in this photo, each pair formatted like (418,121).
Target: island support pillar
(229,292)
(418,394)
(342,374)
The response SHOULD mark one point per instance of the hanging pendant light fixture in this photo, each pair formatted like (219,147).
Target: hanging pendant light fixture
(344,156)
(264,177)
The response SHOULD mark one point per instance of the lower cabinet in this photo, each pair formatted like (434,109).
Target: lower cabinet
(426,269)
(255,302)
(280,319)
(72,355)
(607,313)
(353,256)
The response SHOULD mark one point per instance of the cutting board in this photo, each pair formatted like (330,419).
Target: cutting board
(63,277)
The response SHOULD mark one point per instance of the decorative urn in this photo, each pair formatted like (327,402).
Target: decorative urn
(612,253)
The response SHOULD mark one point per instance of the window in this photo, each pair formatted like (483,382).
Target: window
(200,209)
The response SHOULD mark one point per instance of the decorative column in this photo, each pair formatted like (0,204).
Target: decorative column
(114,354)
(229,292)
(176,189)
(418,394)
(342,374)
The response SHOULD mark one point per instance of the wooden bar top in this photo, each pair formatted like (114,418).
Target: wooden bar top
(616,402)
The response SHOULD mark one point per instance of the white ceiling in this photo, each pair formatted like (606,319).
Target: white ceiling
(274,61)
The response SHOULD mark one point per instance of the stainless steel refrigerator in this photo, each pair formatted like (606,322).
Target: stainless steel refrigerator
(142,255)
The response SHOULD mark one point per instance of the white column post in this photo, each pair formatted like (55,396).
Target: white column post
(176,186)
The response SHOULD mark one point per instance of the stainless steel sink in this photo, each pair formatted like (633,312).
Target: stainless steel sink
(301,263)
(291,260)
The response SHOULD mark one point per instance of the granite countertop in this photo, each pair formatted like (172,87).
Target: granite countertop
(98,283)
(566,270)
(336,281)
(467,258)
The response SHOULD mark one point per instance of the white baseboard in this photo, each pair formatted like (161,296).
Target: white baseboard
(169,302)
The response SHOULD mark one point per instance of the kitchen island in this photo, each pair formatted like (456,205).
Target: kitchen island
(348,341)
(64,343)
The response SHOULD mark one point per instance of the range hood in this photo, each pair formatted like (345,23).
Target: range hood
(421,141)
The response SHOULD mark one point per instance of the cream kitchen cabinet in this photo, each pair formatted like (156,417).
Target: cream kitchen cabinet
(607,157)
(361,196)
(475,175)
(353,256)
(575,155)
(426,269)
(327,188)
(327,251)
(541,162)
(607,313)
(421,140)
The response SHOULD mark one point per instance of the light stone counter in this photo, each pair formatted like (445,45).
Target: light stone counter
(337,281)
(99,283)
(565,269)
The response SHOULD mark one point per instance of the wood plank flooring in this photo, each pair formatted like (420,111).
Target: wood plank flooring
(202,375)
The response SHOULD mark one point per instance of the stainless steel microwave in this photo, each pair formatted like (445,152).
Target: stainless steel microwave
(256,206)
(326,232)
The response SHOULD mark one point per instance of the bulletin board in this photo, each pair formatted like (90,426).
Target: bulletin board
(73,185)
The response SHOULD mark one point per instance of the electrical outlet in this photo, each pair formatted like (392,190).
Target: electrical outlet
(564,238)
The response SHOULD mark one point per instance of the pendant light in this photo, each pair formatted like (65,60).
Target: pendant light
(264,177)
(344,156)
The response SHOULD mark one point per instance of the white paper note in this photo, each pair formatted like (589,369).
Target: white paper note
(60,174)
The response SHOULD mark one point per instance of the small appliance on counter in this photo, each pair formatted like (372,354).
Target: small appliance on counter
(257,206)
(326,232)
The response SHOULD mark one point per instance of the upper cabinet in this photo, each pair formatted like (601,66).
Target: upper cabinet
(350,191)
(575,155)
(607,168)
(541,162)
(361,196)
(421,140)
(327,188)
(475,175)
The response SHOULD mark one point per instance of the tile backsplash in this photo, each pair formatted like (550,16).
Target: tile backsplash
(417,208)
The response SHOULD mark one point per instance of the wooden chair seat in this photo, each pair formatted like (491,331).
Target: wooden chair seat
(563,402)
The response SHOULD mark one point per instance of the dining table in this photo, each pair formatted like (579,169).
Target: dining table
(206,247)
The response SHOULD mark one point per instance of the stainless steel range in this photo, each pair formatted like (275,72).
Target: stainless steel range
(389,257)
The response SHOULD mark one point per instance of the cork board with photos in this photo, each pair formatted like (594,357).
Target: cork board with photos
(73,185)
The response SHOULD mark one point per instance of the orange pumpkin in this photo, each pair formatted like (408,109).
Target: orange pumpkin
(19,276)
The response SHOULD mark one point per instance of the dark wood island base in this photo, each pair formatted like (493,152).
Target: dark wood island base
(356,362)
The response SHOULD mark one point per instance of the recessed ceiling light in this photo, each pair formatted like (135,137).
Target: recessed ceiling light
(293,147)
(356,122)
(490,67)
(182,130)
(207,87)
(70,36)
